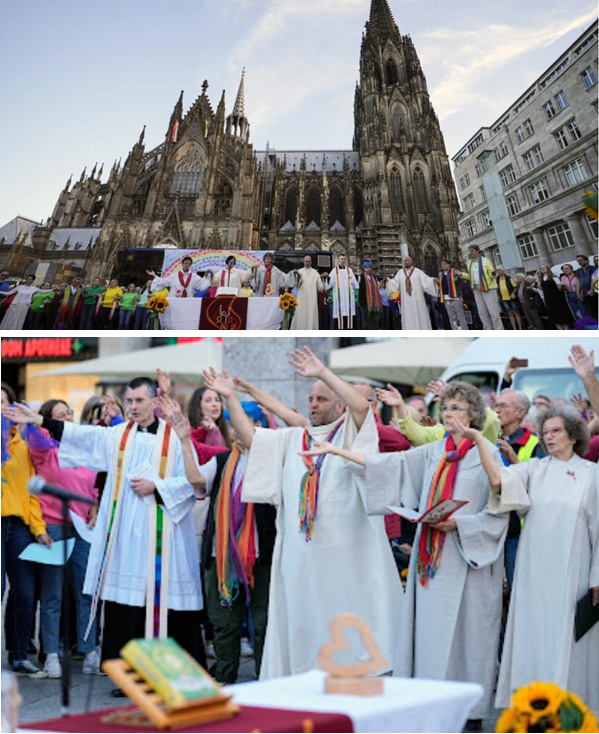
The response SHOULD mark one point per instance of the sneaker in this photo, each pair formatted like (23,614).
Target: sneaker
(24,667)
(52,666)
(246,649)
(91,663)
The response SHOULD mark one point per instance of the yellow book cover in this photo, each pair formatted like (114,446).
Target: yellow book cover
(171,671)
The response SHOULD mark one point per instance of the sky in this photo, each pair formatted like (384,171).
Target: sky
(80,79)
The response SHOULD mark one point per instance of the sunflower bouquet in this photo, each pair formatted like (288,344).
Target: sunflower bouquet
(156,305)
(288,303)
(546,707)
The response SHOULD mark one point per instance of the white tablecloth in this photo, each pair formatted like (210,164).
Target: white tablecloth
(407,705)
(184,313)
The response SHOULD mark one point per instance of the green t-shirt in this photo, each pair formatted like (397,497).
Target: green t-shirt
(38,300)
(128,301)
(91,295)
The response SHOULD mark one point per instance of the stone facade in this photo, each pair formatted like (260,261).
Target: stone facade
(543,149)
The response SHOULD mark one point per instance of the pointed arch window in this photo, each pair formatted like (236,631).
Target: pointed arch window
(291,199)
(358,206)
(336,207)
(395,189)
(223,198)
(187,178)
(420,191)
(391,72)
(140,198)
(431,262)
(313,206)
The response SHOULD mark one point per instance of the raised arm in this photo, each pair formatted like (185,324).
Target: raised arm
(289,416)
(171,412)
(328,448)
(584,366)
(225,386)
(455,426)
(308,365)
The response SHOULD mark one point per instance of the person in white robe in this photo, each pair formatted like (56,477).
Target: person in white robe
(122,579)
(15,316)
(413,283)
(308,282)
(344,285)
(338,561)
(183,283)
(267,280)
(557,562)
(449,628)
(229,277)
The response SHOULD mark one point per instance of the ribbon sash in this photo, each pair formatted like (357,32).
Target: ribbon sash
(267,278)
(408,281)
(184,283)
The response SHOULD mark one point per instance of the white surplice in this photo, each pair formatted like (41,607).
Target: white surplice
(449,628)
(306,312)
(16,314)
(347,566)
(344,299)
(414,313)
(126,574)
(229,278)
(557,563)
(197,282)
(277,280)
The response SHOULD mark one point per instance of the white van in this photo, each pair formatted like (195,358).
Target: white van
(548,373)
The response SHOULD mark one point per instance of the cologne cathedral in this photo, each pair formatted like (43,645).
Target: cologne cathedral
(206,187)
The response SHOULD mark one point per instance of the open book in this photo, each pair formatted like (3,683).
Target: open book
(441,511)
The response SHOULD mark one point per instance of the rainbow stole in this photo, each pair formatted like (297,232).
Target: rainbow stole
(373,296)
(235,540)
(431,540)
(408,281)
(308,498)
(453,291)
(350,297)
(64,312)
(484,286)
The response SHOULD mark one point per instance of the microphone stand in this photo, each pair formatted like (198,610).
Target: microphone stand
(65,682)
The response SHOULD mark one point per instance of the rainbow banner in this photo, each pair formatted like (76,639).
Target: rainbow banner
(210,260)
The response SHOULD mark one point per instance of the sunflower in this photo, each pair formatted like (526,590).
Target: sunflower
(151,302)
(507,722)
(589,722)
(538,700)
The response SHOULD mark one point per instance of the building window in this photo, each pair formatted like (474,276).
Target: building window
(507,175)
(483,220)
(513,205)
(561,139)
(588,77)
(575,172)
(420,191)
(469,202)
(395,190)
(483,193)
(560,236)
(470,228)
(520,134)
(574,131)
(501,151)
(560,100)
(464,181)
(549,109)
(539,191)
(528,128)
(593,225)
(528,246)
(533,158)
(391,72)
(496,256)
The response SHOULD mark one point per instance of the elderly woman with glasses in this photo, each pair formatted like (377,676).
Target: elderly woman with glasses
(449,628)
(557,562)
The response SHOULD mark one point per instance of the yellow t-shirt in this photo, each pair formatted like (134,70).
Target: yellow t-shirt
(109,296)
(16,499)
(503,289)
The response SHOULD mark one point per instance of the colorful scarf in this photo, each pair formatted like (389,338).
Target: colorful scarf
(235,541)
(373,295)
(308,499)
(65,314)
(484,286)
(408,281)
(7,426)
(267,278)
(337,304)
(38,439)
(451,286)
(432,540)
(184,284)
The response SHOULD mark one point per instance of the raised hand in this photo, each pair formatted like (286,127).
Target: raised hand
(583,363)
(152,273)
(391,396)
(224,385)
(164,380)
(111,408)
(306,363)
(455,426)
(208,423)
(580,403)
(507,451)
(171,412)
(22,414)
(318,450)
(436,386)
(242,385)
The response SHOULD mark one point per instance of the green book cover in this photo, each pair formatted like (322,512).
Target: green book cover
(171,671)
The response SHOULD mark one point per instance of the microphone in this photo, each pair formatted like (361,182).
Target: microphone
(38,485)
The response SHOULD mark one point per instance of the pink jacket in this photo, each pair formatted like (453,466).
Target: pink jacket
(76,479)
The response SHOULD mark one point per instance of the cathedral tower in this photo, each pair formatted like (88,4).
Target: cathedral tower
(409,195)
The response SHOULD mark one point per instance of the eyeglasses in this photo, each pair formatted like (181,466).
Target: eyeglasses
(552,432)
(453,409)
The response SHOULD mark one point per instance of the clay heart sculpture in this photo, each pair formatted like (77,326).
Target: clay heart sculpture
(339,642)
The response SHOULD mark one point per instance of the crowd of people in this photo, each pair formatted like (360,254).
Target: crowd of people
(483,296)
(240,518)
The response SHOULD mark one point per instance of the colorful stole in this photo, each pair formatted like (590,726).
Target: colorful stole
(66,313)
(308,499)
(235,541)
(408,281)
(337,301)
(267,278)
(184,284)
(453,291)
(373,295)
(484,286)
(432,540)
